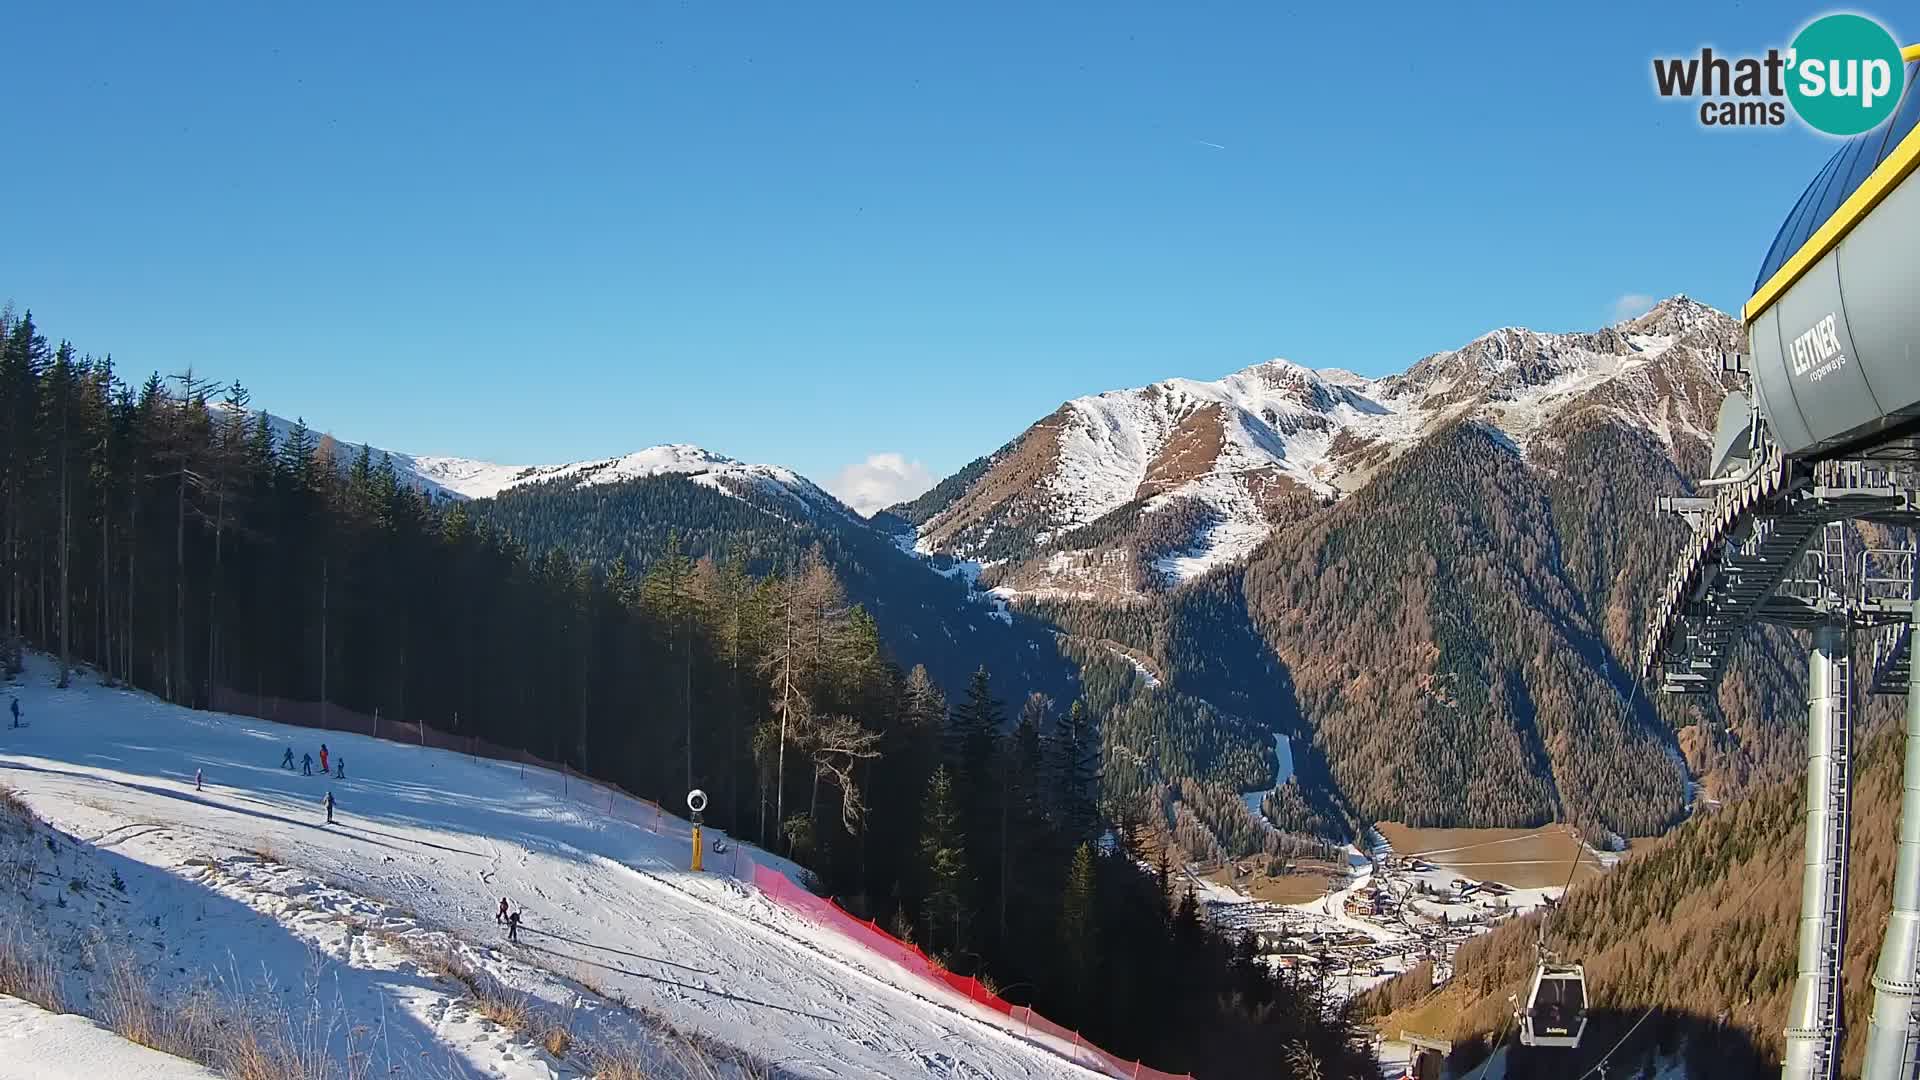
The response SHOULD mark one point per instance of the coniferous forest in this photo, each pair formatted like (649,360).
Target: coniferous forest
(157,531)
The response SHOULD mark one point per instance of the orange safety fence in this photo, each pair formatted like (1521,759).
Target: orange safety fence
(617,803)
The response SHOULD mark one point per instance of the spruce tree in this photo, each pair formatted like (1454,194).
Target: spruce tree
(975,733)
(943,862)
(1079,928)
(1074,774)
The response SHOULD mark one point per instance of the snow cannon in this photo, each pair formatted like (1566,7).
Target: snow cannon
(697,803)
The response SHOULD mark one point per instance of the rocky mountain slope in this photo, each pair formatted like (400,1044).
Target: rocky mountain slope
(1129,492)
(1428,582)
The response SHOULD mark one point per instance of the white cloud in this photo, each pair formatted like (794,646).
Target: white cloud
(1631,306)
(880,481)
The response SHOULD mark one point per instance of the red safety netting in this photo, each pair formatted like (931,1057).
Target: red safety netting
(788,894)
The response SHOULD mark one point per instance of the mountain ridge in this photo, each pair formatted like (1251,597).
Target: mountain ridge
(445,476)
(1235,458)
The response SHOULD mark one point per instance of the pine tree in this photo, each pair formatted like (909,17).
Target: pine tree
(1079,944)
(1074,774)
(975,733)
(943,861)
(667,592)
(62,385)
(1022,820)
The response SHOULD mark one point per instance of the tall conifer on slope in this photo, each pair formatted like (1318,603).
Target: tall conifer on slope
(1073,774)
(668,593)
(1079,927)
(974,733)
(943,862)
(62,384)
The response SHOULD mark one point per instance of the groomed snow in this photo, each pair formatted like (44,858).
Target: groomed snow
(432,840)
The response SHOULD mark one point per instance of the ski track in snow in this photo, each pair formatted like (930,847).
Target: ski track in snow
(428,841)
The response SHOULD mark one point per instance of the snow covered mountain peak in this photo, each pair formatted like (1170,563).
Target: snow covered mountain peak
(448,477)
(1217,464)
(1677,316)
(479,480)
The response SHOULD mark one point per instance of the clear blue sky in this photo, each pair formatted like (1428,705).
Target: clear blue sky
(811,232)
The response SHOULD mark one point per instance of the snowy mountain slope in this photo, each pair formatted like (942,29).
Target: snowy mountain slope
(480,480)
(453,478)
(430,841)
(1219,464)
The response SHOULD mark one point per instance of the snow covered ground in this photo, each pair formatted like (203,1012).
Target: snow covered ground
(39,1045)
(244,877)
(1283,772)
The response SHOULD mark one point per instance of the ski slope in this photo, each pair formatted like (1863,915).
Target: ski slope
(429,841)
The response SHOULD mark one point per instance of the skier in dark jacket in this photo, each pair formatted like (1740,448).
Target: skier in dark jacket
(15,705)
(287,762)
(328,803)
(501,915)
(513,927)
(306,764)
(339,767)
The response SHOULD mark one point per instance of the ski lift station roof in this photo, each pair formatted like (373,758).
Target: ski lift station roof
(1832,326)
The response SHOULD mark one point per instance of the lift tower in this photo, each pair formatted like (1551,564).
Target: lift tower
(1829,435)
(1771,546)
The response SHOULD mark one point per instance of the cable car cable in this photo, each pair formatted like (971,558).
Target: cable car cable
(1601,1064)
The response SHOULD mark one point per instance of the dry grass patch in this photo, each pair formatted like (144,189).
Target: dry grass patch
(13,806)
(27,972)
(1522,858)
(510,1009)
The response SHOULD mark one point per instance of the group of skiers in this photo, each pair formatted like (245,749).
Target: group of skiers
(339,771)
(505,916)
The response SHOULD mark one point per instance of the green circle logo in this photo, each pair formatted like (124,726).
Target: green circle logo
(1846,74)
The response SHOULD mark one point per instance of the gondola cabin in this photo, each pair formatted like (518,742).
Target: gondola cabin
(1556,1010)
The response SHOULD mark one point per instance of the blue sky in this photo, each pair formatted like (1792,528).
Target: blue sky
(811,233)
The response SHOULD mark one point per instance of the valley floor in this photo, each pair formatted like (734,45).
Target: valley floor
(243,882)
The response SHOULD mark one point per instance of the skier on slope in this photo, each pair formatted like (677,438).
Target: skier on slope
(196,779)
(287,762)
(501,916)
(306,764)
(328,803)
(339,767)
(513,927)
(323,757)
(15,705)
